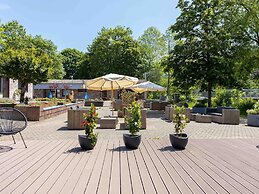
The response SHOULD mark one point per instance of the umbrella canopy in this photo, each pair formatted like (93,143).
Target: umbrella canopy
(147,86)
(111,82)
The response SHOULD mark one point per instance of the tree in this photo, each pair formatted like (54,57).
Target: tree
(204,51)
(71,62)
(84,68)
(26,58)
(242,22)
(154,47)
(114,51)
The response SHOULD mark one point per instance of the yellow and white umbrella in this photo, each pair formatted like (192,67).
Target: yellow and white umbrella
(147,86)
(111,82)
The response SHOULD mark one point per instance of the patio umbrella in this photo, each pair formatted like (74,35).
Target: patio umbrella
(111,82)
(146,86)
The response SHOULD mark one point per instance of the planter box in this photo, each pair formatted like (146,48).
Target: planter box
(36,113)
(96,103)
(7,105)
(169,113)
(158,105)
(253,120)
(75,118)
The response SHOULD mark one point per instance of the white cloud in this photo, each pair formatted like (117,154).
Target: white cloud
(4,6)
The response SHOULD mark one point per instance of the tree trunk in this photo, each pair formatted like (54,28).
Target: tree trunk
(209,93)
(168,83)
(23,90)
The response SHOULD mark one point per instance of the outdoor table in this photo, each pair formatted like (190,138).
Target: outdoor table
(108,123)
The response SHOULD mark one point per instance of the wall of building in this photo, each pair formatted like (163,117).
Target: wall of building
(13,90)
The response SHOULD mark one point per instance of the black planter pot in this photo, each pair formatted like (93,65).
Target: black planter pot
(131,141)
(86,143)
(179,141)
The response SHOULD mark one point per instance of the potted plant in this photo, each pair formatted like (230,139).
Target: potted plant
(88,141)
(133,120)
(253,115)
(179,139)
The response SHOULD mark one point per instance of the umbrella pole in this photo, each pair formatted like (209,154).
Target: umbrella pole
(112,98)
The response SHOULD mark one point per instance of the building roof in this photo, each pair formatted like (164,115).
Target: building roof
(61,84)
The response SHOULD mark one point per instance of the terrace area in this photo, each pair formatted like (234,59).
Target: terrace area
(218,159)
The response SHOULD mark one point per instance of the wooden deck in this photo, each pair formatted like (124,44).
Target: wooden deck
(59,166)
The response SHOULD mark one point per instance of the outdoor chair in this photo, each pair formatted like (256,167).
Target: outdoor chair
(12,121)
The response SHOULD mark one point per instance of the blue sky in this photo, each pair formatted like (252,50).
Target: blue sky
(75,23)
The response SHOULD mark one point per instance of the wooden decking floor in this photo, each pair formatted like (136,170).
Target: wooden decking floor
(59,166)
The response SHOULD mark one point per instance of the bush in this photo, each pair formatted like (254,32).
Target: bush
(255,109)
(222,97)
(6,101)
(244,105)
(201,103)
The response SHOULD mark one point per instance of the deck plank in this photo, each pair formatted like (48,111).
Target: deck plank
(104,183)
(9,174)
(183,187)
(148,183)
(126,181)
(206,173)
(16,158)
(73,178)
(92,186)
(249,153)
(234,161)
(215,172)
(25,179)
(64,177)
(194,187)
(232,185)
(236,177)
(158,182)
(18,150)
(60,166)
(86,173)
(37,179)
(115,181)
(165,176)
(56,171)
(136,179)
(242,156)
(198,179)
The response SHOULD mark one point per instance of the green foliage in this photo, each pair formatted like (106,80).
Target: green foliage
(201,103)
(179,119)
(84,68)
(244,105)
(26,58)
(114,51)
(6,100)
(255,109)
(242,22)
(134,118)
(127,97)
(204,51)
(89,123)
(234,98)
(153,47)
(222,97)
(71,61)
